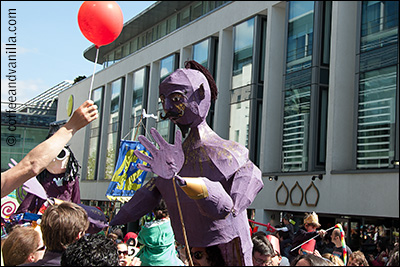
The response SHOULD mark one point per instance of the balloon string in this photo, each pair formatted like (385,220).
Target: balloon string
(94,70)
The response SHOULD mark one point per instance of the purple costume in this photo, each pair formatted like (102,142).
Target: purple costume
(232,181)
(68,191)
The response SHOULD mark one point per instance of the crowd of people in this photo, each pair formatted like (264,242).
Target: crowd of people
(216,195)
(62,239)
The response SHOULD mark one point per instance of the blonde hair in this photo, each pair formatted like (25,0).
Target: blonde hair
(334,259)
(19,244)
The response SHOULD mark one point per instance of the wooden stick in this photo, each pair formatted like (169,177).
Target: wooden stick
(311,239)
(183,224)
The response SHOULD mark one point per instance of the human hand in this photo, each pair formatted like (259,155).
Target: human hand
(135,262)
(316,253)
(83,115)
(321,233)
(166,161)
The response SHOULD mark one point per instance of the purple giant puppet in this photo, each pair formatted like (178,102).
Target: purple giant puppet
(216,181)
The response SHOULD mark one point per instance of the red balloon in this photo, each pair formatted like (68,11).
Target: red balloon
(100,22)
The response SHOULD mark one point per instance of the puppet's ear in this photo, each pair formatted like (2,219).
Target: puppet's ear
(200,93)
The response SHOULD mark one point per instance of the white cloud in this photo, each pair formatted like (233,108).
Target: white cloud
(20,50)
(25,90)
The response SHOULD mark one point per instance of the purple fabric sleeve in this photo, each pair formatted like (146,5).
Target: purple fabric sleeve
(218,204)
(143,201)
(245,186)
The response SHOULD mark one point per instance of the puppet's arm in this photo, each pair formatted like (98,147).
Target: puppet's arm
(211,198)
(142,202)
(247,182)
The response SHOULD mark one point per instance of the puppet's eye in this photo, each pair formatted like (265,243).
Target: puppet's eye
(162,99)
(177,98)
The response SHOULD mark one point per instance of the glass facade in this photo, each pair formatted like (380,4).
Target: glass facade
(378,81)
(206,53)
(167,66)
(306,86)
(95,126)
(114,127)
(175,21)
(297,91)
(26,139)
(241,80)
(201,52)
(140,81)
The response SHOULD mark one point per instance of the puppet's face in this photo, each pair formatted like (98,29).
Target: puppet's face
(186,98)
(59,164)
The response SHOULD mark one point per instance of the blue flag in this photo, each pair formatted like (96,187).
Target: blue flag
(127,178)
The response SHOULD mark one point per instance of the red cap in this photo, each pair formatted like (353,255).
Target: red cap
(129,235)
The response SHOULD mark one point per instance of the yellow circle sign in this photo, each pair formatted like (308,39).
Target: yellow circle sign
(70,105)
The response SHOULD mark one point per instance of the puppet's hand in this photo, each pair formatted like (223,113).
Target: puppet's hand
(166,161)
(13,163)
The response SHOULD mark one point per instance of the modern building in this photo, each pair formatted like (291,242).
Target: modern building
(24,126)
(309,87)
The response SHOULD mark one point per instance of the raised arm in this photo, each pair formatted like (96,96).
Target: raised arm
(39,157)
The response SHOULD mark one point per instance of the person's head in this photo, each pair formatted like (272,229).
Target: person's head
(91,250)
(309,260)
(334,259)
(335,237)
(161,210)
(394,256)
(131,238)
(22,245)
(186,95)
(263,251)
(207,256)
(122,251)
(112,236)
(357,258)
(311,222)
(62,224)
(286,218)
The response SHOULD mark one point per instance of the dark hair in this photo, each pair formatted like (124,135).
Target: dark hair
(191,64)
(214,256)
(71,172)
(288,216)
(161,210)
(91,250)
(262,245)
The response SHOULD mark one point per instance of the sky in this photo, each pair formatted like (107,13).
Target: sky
(49,45)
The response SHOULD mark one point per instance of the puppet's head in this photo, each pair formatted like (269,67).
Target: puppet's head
(186,95)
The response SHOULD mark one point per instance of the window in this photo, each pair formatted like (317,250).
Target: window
(113,127)
(243,53)
(140,81)
(300,35)
(306,87)
(200,52)
(241,79)
(378,85)
(165,127)
(95,126)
